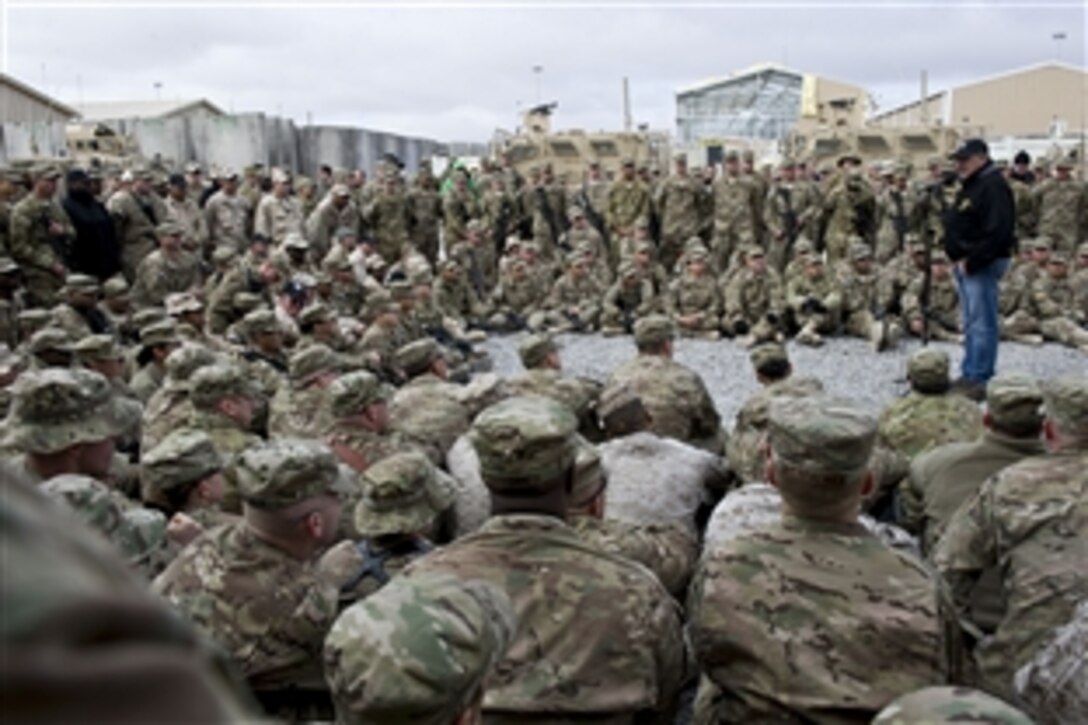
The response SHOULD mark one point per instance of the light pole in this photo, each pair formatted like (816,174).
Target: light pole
(537,70)
(158,90)
(1058,38)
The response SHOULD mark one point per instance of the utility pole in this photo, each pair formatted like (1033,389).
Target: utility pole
(626,105)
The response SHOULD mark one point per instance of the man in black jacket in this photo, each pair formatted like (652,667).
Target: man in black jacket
(95,250)
(979,238)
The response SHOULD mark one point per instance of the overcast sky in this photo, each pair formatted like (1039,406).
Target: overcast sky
(458,71)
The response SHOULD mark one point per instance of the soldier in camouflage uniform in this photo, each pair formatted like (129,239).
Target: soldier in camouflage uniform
(948,705)
(850,209)
(675,396)
(359,407)
(1031,520)
(681,207)
(897,214)
(455,298)
(136,211)
(815,303)
(428,411)
(579,603)
(628,203)
(264,357)
(775,615)
(774,372)
(1062,202)
(78,313)
(862,314)
(394,519)
(227,215)
(183,478)
(253,587)
(516,298)
(753,300)
(582,235)
(254,274)
(544,376)
(11,301)
(944,302)
(574,302)
(735,211)
(157,341)
(387,216)
(168,269)
(184,211)
(40,231)
(693,300)
(928,416)
(170,407)
(336,211)
(459,208)
(425,208)
(278,213)
(1052,303)
(420,651)
(789,208)
(298,409)
(630,298)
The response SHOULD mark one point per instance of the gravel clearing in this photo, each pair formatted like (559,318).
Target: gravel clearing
(847,367)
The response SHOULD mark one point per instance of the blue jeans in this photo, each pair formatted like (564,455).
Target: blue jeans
(978,302)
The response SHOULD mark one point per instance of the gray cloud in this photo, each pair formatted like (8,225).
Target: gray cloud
(458,73)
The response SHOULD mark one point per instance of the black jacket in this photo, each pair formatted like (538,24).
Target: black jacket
(95,250)
(979,226)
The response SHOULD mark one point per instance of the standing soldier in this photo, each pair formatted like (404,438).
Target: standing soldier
(227,214)
(40,230)
(628,204)
(681,212)
(136,211)
(425,208)
(850,208)
(593,197)
(336,211)
(278,213)
(1063,206)
(896,205)
(761,185)
(459,208)
(182,210)
(734,212)
(789,207)
(387,217)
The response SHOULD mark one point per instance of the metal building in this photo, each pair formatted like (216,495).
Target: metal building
(19,103)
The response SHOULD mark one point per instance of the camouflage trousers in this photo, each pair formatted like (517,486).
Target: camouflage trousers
(1064,330)
(730,236)
(778,253)
(706,327)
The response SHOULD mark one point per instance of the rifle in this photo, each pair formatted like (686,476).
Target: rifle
(595,218)
(498,237)
(574,320)
(546,210)
(899,221)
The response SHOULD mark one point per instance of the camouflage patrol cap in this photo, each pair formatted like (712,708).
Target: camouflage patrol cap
(525,444)
(213,383)
(1065,161)
(1014,401)
(312,361)
(114,287)
(627,161)
(261,322)
(535,348)
(80,284)
(401,290)
(223,254)
(417,357)
(512,242)
(101,348)
(33,319)
(1059,258)
(928,368)
(629,270)
(654,330)
(178,303)
(350,394)
(418,651)
(448,264)
(767,353)
(294,240)
(149,316)
(859,250)
(169,229)
(340,190)
(57,408)
(314,313)
(50,339)
(821,434)
(246,301)
(280,176)
(285,471)
(182,364)
(589,478)
(379,303)
(8,265)
(950,705)
(1042,243)
(163,332)
(182,459)
(803,246)
(575,212)
(1066,400)
(753,251)
(395,496)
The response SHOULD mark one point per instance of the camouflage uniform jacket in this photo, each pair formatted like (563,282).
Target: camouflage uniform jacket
(751,296)
(428,413)
(745,449)
(242,278)
(824,289)
(166,411)
(457,299)
(811,621)
(298,413)
(1062,208)
(29,240)
(668,550)
(1031,519)
(1051,298)
(736,202)
(675,396)
(917,422)
(275,218)
(387,216)
(269,611)
(160,275)
(582,296)
(80,323)
(323,222)
(944,302)
(688,295)
(190,218)
(628,202)
(682,207)
(555,385)
(147,380)
(859,291)
(229,441)
(636,301)
(227,220)
(136,217)
(459,208)
(597,636)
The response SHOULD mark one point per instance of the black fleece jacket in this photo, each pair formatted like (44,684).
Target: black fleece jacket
(979,226)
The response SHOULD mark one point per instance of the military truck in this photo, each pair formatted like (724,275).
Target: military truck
(570,151)
(97,145)
(823,146)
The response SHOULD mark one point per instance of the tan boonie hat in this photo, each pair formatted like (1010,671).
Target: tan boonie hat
(50,339)
(58,408)
(928,368)
(223,254)
(395,496)
(182,364)
(416,358)
(1014,400)
(767,353)
(312,361)
(164,332)
(178,303)
(285,471)
(535,348)
(1066,400)
(945,705)
(654,330)
(525,444)
(212,383)
(860,251)
(314,313)
(821,434)
(169,229)
(418,651)
(80,284)
(182,459)
(149,316)
(261,322)
(102,348)
(295,241)
(350,394)
(340,190)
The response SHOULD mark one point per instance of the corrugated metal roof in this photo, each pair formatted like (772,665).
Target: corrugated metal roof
(37,95)
(106,110)
(736,75)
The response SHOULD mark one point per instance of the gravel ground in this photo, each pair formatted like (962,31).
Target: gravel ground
(847,367)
